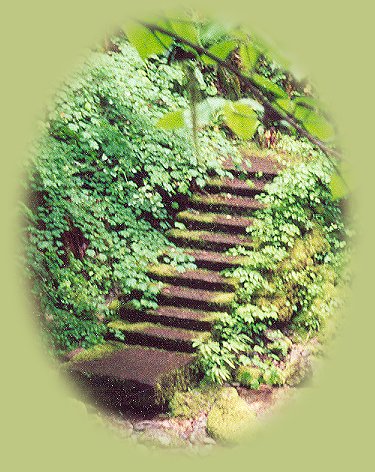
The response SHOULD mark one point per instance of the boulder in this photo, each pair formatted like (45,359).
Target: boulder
(230,417)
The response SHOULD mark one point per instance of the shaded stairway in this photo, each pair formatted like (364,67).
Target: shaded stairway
(159,342)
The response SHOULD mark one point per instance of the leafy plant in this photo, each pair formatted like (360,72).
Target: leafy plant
(103,184)
(289,281)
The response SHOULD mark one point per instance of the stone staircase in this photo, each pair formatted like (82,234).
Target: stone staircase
(159,342)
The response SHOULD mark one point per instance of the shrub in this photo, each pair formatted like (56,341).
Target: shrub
(103,184)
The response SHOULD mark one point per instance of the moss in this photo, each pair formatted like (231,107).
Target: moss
(304,250)
(223,298)
(114,305)
(138,327)
(177,380)
(249,376)
(282,303)
(129,327)
(230,417)
(191,403)
(201,217)
(98,351)
(186,234)
(212,316)
(162,270)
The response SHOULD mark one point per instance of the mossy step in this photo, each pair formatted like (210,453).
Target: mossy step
(235,186)
(129,377)
(266,166)
(227,202)
(158,335)
(195,219)
(215,260)
(196,298)
(195,278)
(208,239)
(177,317)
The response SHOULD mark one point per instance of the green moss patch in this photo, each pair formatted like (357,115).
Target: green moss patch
(223,298)
(178,380)
(98,351)
(230,417)
(200,217)
(129,327)
(249,376)
(191,403)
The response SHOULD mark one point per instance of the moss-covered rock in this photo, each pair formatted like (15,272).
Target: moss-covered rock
(179,380)
(189,404)
(230,417)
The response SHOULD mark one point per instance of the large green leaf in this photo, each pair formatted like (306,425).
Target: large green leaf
(249,55)
(256,106)
(318,126)
(301,112)
(241,119)
(221,50)
(172,120)
(145,41)
(309,101)
(338,188)
(186,29)
(285,104)
(205,111)
(269,86)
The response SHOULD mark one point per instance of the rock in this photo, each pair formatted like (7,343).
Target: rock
(298,367)
(192,403)
(209,441)
(230,417)
(160,438)
(142,425)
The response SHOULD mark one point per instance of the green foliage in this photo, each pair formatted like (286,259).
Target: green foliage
(103,185)
(213,46)
(288,282)
(241,119)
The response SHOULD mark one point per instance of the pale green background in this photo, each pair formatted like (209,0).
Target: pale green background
(329,426)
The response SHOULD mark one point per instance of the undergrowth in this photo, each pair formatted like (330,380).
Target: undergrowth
(103,185)
(291,281)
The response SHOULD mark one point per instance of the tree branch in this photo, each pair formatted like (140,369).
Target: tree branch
(250,84)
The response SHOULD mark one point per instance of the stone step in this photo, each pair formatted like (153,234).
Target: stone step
(225,202)
(158,335)
(194,219)
(195,278)
(265,166)
(128,378)
(178,317)
(215,260)
(235,186)
(208,239)
(195,298)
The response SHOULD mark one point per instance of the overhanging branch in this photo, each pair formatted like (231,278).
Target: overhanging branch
(250,84)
